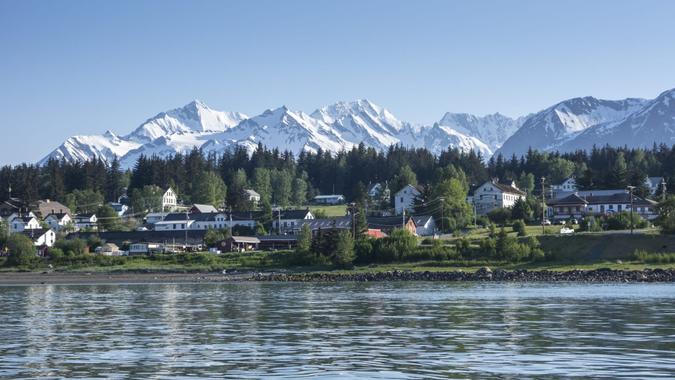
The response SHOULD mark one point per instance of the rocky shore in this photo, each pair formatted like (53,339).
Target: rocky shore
(483,274)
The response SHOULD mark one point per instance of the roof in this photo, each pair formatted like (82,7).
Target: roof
(386,221)
(288,238)
(87,215)
(654,182)
(244,239)
(586,193)
(58,215)
(375,233)
(252,193)
(329,196)
(46,206)
(616,198)
(417,188)
(25,219)
(507,188)
(121,237)
(421,220)
(291,214)
(335,222)
(35,233)
(111,246)
(202,208)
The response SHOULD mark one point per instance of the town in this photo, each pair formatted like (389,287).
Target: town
(439,208)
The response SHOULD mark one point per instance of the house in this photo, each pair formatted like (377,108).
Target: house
(156,241)
(204,221)
(252,196)
(275,242)
(44,207)
(169,201)
(284,221)
(333,199)
(494,194)
(145,248)
(567,186)
(119,208)
(41,237)
(58,221)
(109,249)
(23,223)
(379,192)
(86,221)
(390,223)
(425,225)
(154,217)
(202,209)
(654,184)
(578,206)
(239,244)
(404,199)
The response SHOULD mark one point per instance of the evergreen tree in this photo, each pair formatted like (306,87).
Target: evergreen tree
(343,255)
(209,189)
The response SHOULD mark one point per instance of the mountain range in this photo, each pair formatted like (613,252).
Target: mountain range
(578,123)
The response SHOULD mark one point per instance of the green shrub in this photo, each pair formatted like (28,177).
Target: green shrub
(519,227)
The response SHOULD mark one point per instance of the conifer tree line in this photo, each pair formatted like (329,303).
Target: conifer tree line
(285,180)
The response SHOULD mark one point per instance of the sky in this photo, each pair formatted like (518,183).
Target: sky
(83,67)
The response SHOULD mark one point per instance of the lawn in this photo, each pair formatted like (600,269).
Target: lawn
(337,210)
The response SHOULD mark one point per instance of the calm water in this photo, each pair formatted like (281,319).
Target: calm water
(384,330)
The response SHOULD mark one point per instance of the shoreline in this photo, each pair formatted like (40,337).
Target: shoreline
(482,275)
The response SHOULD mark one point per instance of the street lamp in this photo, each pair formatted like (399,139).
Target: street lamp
(630,191)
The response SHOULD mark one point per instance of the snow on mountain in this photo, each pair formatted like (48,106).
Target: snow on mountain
(551,128)
(438,138)
(492,130)
(194,117)
(653,123)
(82,148)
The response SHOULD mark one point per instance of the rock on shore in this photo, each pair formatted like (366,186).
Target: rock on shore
(483,274)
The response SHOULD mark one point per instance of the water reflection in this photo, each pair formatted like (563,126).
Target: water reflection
(386,330)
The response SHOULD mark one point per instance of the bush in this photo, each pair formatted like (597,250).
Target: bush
(519,227)
(590,224)
(22,252)
(622,221)
(500,215)
(654,258)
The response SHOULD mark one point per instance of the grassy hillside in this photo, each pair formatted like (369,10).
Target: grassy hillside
(591,247)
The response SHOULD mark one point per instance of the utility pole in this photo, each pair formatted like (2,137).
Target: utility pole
(543,205)
(187,220)
(442,212)
(352,210)
(663,189)
(630,191)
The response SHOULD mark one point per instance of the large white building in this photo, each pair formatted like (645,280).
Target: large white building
(204,221)
(494,194)
(404,199)
(578,205)
(169,201)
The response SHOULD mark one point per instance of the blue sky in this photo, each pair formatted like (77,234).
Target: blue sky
(82,67)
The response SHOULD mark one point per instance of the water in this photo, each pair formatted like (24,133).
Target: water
(378,330)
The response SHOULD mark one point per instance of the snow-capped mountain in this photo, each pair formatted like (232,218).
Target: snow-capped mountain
(652,123)
(332,128)
(492,130)
(577,123)
(551,128)
(194,117)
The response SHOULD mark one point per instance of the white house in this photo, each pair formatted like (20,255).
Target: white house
(109,249)
(578,205)
(119,208)
(404,199)
(252,196)
(23,223)
(144,248)
(86,221)
(494,194)
(654,184)
(154,217)
(203,221)
(332,199)
(425,225)
(41,237)
(567,186)
(58,221)
(289,219)
(169,201)
(379,191)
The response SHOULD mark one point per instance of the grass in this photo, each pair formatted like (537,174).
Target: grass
(337,210)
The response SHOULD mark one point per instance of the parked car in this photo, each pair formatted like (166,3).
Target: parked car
(546,222)
(573,221)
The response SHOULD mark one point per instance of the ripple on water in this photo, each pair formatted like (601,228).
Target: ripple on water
(344,330)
